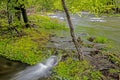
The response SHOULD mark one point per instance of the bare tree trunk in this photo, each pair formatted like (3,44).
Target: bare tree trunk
(25,17)
(10,19)
(78,48)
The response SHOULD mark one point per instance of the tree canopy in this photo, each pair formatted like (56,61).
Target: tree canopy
(93,6)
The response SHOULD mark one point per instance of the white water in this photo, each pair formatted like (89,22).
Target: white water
(37,71)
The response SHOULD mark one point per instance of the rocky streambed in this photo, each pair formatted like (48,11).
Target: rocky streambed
(93,52)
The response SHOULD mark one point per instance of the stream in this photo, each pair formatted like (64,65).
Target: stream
(9,68)
(12,70)
(108,27)
(87,24)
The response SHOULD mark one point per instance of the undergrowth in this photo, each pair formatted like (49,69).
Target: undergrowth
(46,22)
(26,47)
(75,70)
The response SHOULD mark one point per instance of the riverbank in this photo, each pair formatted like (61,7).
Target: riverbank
(48,37)
(25,44)
(98,59)
(103,26)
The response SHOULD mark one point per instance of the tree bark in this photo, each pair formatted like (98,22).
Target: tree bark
(25,18)
(20,8)
(78,48)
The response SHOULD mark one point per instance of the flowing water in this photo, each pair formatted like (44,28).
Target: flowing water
(9,68)
(96,26)
(35,72)
(108,27)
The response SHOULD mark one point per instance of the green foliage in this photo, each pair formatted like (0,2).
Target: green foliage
(97,39)
(2,5)
(27,47)
(95,75)
(75,70)
(46,22)
(100,40)
(45,4)
(23,49)
(114,58)
(114,71)
(93,6)
(3,23)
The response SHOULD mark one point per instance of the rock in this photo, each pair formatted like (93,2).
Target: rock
(91,39)
(99,46)
(60,40)
(87,53)
(83,34)
(99,63)
(85,49)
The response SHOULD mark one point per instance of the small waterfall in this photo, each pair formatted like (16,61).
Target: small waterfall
(37,71)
